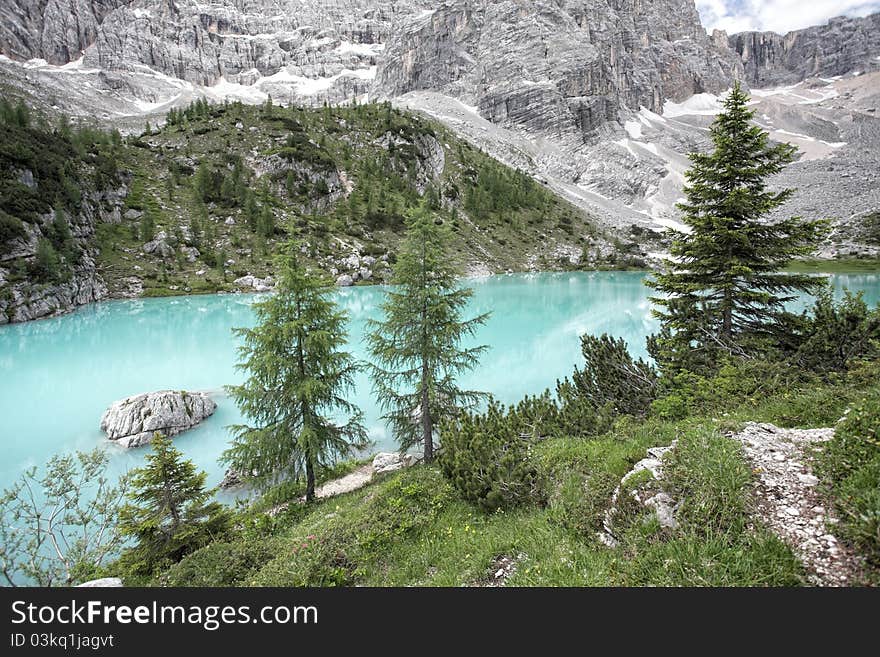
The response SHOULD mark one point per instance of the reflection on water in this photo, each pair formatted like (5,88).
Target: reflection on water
(58,376)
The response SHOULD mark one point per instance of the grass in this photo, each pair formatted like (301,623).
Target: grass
(837,266)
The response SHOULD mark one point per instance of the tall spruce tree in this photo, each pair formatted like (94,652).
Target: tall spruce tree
(417,346)
(299,375)
(170,512)
(723,289)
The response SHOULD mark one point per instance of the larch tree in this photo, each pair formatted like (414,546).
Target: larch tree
(724,286)
(417,346)
(170,512)
(298,377)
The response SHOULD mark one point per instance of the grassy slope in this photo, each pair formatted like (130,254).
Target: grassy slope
(412,529)
(528,231)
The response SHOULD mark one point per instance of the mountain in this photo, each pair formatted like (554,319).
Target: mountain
(841,46)
(598,100)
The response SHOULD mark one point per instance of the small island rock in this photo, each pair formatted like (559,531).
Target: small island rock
(131,422)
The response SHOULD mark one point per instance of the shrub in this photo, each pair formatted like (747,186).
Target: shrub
(10,228)
(486,457)
(839,333)
(611,376)
(856,441)
(47,265)
(220,564)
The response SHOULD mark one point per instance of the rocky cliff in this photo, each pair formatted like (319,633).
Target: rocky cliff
(55,30)
(557,68)
(841,46)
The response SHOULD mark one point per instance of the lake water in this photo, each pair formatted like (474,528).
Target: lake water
(57,376)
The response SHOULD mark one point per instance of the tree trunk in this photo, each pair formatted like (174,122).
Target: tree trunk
(427,422)
(310,479)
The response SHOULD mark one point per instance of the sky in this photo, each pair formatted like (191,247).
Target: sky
(778,15)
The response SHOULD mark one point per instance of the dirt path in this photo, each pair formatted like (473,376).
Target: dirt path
(352,481)
(789,503)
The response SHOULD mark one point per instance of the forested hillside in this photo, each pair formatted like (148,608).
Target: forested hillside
(205,200)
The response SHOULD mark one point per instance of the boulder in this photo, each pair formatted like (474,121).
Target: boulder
(391,462)
(255,283)
(192,253)
(231,479)
(104,582)
(131,422)
(159,247)
(345,281)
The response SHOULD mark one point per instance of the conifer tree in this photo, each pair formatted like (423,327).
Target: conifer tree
(298,379)
(417,344)
(723,289)
(169,513)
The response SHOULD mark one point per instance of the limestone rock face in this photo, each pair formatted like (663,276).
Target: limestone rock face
(23,301)
(55,30)
(131,422)
(552,67)
(841,46)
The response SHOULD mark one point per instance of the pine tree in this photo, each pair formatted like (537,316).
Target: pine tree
(418,343)
(723,289)
(169,512)
(299,376)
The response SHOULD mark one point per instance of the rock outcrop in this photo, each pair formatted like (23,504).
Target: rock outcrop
(104,582)
(391,462)
(557,68)
(55,30)
(21,301)
(649,494)
(131,422)
(841,46)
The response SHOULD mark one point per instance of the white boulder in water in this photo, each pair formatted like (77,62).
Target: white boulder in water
(131,422)
(104,583)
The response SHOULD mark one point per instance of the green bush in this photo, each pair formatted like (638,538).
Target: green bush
(220,564)
(486,457)
(47,265)
(837,334)
(856,441)
(612,377)
(10,229)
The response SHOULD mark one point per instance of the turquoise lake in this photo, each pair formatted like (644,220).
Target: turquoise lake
(57,376)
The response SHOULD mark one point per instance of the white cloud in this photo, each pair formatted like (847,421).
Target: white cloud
(778,15)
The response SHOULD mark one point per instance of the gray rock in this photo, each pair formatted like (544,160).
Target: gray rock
(255,283)
(26,178)
(839,47)
(104,582)
(192,253)
(345,281)
(132,215)
(159,247)
(231,479)
(131,422)
(391,462)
